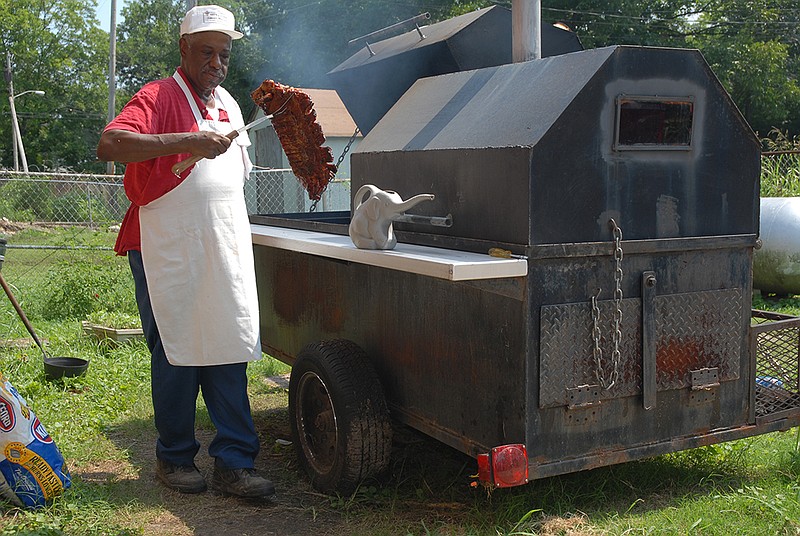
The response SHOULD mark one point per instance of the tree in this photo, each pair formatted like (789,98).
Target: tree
(621,22)
(754,49)
(147,42)
(56,47)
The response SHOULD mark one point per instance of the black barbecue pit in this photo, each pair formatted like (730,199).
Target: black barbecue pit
(626,183)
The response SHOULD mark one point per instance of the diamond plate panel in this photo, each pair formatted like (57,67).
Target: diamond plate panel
(694,330)
(566,349)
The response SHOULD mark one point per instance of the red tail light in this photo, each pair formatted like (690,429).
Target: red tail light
(504,466)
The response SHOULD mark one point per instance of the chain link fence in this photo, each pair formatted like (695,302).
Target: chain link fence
(278,191)
(50,199)
(61,227)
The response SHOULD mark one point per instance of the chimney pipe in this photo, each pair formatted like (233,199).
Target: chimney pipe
(526,30)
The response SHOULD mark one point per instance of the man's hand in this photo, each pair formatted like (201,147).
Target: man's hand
(208,144)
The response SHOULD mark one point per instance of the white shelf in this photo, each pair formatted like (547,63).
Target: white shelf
(435,262)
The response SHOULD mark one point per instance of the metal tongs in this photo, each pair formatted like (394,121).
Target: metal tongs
(183,165)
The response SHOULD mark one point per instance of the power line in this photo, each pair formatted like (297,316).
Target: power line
(654,18)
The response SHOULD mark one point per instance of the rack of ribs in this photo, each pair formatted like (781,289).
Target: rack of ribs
(299,133)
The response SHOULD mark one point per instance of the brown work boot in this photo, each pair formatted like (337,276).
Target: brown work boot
(241,482)
(183,478)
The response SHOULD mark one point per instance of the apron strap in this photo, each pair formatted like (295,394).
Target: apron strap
(228,103)
(189,97)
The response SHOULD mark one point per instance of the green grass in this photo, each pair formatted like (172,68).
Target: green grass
(85,416)
(786,305)
(114,319)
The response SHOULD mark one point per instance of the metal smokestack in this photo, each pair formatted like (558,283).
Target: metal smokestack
(526,30)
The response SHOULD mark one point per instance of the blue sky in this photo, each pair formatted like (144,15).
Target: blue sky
(104,13)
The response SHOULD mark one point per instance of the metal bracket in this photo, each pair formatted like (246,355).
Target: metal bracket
(582,416)
(437,221)
(391,30)
(649,336)
(698,398)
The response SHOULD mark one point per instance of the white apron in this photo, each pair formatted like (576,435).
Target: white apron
(198,256)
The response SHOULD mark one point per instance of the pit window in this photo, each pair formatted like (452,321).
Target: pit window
(654,123)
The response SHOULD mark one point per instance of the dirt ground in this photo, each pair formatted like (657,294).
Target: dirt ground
(9,227)
(421,469)
(296,509)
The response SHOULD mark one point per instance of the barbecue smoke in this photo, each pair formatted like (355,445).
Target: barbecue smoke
(296,53)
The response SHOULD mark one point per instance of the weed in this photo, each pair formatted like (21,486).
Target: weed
(114,319)
(784,505)
(74,290)
(25,200)
(524,521)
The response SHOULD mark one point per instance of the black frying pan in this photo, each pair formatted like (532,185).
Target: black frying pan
(54,367)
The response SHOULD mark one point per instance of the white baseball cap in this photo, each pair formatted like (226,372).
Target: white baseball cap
(209,19)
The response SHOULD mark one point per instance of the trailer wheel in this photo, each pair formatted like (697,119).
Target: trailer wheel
(339,418)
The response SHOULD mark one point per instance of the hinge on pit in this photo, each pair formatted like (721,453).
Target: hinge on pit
(704,386)
(583,396)
(583,408)
(705,379)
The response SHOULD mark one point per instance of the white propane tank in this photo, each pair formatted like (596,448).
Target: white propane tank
(776,265)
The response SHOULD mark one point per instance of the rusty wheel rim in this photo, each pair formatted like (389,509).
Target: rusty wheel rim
(316,422)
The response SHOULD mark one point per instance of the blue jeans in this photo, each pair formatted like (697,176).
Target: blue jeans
(175,390)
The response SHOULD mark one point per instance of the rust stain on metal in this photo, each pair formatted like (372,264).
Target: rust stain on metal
(676,358)
(297,292)
(290,291)
(332,301)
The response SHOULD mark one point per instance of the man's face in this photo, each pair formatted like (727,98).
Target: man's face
(204,60)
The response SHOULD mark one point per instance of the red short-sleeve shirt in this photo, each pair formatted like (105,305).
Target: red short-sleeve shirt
(159,107)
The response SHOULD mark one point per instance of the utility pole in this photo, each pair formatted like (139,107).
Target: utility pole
(16,136)
(112,78)
(14,125)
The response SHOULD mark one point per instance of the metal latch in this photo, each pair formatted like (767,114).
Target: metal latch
(705,379)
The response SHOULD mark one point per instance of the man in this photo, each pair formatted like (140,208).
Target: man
(188,243)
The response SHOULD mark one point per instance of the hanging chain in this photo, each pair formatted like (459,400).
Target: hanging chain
(597,352)
(616,334)
(338,164)
(347,148)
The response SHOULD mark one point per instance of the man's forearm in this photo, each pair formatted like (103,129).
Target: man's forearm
(125,146)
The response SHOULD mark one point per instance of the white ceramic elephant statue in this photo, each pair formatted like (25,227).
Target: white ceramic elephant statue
(371,224)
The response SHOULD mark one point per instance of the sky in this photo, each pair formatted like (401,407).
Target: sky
(104,13)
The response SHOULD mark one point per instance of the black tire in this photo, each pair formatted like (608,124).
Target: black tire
(339,418)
